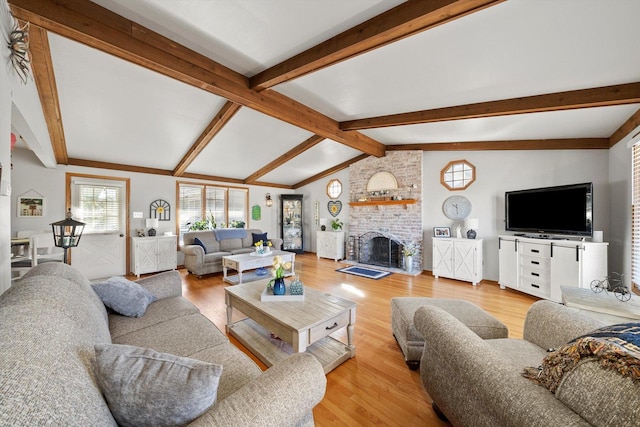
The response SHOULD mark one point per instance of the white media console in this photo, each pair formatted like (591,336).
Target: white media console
(540,266)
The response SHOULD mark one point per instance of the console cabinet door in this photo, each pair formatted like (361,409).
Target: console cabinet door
(464,258)
(167,253)
(443,258)
(146,258)
(508,263)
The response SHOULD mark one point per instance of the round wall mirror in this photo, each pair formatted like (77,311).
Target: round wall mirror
(334,188)
(458,175)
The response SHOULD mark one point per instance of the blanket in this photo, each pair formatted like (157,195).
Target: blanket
(616,347)
(230,233)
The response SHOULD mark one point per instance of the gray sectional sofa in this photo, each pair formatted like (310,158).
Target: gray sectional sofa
(52,325)
(200,260)
(476,382)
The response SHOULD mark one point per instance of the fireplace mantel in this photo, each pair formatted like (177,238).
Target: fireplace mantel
(381,203)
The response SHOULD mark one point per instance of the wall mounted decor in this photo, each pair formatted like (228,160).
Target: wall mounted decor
(31,204)
(256,212)
(334,189)
(456,208)
(382,181)
(160,209)
(334,207)
(458,175)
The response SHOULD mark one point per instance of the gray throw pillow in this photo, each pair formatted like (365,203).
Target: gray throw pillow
(146,388)
(124,296)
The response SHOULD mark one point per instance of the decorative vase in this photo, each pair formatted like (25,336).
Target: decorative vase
(408,263)
(295,287)
(278,286)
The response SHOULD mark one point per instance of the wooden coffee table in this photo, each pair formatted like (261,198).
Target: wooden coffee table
(244,262)
(296,326)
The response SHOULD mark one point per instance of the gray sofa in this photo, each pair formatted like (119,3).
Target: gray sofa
(476,382)
(199,263)
(51,319)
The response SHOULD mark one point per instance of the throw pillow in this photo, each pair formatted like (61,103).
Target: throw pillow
(258,237)
(199,242)
(146,388)
(615,347)
(124,296)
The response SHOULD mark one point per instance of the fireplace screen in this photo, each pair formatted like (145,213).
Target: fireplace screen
(379,249)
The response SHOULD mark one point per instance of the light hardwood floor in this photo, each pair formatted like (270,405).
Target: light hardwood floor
(375,386)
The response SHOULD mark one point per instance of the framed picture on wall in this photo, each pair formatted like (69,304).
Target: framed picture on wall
(441,232)
(30,207)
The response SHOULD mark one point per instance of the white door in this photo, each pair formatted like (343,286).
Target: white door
(465,260)
(100,255)
(101,203)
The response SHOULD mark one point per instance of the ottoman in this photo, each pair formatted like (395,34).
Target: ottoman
(410,340)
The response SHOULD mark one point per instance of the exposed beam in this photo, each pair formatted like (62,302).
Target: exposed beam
(329,171)
(526,144)
(219,121)
(117,167)
(299,149)
(585,98)
(404,20)
(627,127)
(45,79)
(90,24)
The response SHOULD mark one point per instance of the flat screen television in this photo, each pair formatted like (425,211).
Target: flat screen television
(560,210)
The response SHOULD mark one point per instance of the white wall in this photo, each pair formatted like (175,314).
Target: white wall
(5,160)
(500,171)
(30,175)
(317,191)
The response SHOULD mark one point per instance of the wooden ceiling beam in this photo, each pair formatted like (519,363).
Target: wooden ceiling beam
(296,151)
(330,171)
(527,144)
(42,68)
(402,21)
(90,24)
(219,121)
(627,127)
(585,98)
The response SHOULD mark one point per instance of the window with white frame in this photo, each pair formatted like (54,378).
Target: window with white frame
(99,203)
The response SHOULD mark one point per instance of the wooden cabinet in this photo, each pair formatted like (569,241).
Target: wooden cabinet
(330,244)
(460,259)
(152,254)
(541,266)
(291,222)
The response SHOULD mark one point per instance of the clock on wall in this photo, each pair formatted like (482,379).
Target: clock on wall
(456,208)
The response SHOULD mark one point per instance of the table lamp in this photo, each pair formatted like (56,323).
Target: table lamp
(472,225)
(151,224)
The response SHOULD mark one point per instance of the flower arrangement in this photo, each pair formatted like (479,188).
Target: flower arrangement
(260,246)
(279,268)
(410,249)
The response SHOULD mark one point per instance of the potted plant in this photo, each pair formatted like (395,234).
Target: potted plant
(336,224)
(409,250)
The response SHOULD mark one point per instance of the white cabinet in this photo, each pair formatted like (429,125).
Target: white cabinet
(151,254)
(330,244)
(459,259)
(540,266)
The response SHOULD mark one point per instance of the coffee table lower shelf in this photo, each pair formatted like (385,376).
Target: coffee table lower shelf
(329,351)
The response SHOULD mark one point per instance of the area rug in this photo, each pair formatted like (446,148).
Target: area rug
(364,272)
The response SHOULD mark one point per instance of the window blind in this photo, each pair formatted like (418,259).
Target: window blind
(635,218)
(100,205)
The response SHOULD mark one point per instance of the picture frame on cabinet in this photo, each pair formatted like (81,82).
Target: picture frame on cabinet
(441,231)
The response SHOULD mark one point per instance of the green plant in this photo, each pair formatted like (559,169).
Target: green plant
(336,224)
(237,224)
(209,223)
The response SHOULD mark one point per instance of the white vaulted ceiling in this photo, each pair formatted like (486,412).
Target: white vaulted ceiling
(121,114)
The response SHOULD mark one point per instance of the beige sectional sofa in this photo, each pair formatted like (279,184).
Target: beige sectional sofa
(52,324)
(199,261)
(476,382)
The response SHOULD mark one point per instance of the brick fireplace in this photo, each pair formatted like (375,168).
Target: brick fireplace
(377,231)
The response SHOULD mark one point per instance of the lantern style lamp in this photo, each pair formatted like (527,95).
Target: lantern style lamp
(268,200)
(67,233)
(152,223)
